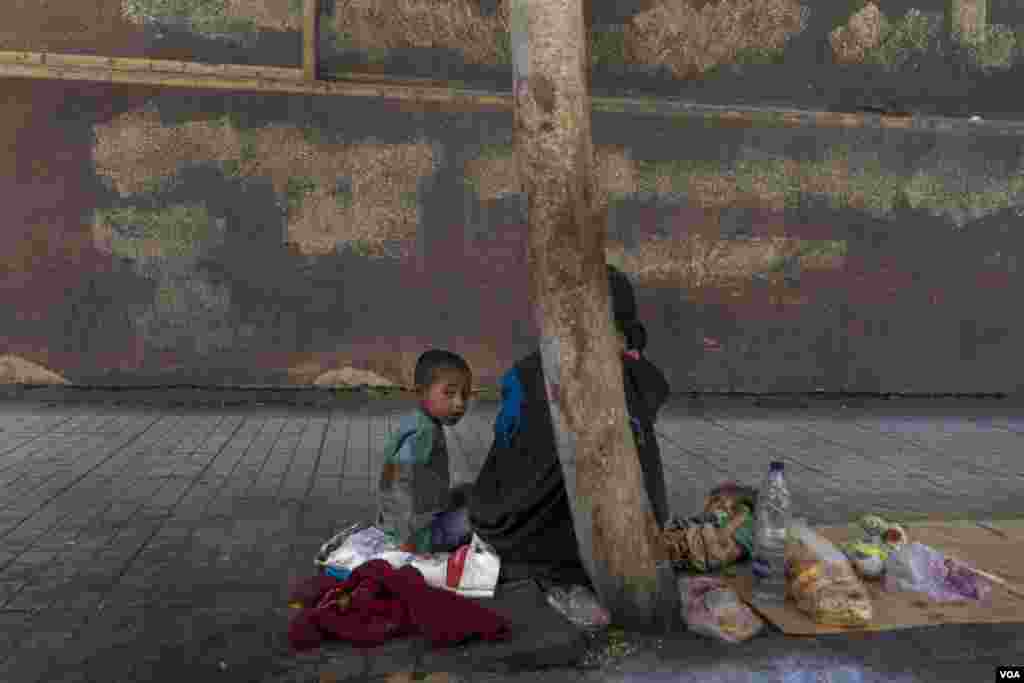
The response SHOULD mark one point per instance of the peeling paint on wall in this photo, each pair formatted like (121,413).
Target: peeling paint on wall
(779,247)
(782,183)
(692,38)
(774,183)
(211,17)
(695,262)
(136,150)
(157,236)
(188,314)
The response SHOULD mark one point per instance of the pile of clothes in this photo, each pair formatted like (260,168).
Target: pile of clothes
(370,590)
(378,602)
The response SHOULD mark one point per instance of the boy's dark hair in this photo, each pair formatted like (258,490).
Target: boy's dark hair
(432,362)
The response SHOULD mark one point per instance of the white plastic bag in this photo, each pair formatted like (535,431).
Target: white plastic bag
(711,608)
(579,605)
(358,544)
(336,541)
(922,569)
(472,570)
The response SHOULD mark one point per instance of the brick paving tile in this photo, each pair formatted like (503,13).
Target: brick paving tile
(845,466)
(942,485)
(183,527)
(299,478)
(359,463)
(335,446)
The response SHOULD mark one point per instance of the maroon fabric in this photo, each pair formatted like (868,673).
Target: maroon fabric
(308,591)
(386,603)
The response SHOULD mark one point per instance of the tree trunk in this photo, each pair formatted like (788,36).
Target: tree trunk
(612,515)
(967,20)
(310,39)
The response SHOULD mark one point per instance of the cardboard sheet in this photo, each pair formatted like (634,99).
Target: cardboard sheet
(981,548)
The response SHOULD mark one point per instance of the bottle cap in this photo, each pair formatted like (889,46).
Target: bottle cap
(776,465)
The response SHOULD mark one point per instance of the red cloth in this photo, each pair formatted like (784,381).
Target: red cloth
(308,591)
(385,603)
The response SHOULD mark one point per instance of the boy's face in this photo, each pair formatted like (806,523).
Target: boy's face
(447,398)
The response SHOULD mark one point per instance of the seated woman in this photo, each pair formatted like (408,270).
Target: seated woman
(519,504)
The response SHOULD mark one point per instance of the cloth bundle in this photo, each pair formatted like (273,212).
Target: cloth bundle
(721,536)
(378,603)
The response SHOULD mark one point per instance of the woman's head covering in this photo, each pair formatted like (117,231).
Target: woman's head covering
(624,309)
(623,298)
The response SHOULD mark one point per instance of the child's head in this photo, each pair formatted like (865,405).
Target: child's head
(443,382)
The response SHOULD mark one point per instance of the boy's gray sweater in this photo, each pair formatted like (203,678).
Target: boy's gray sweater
(415,480)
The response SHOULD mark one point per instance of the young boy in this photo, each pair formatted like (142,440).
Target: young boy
(415,480)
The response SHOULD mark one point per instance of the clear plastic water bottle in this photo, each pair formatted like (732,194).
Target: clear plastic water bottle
(774,513)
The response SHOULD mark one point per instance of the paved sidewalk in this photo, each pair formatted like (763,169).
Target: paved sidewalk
(145,541)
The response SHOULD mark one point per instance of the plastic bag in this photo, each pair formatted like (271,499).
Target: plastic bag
(472,570)
(335,542)
(355,545)
(579,605)
(711,608)
(868,558)
(880,531)
(922,569)
(878,539)
(822,581)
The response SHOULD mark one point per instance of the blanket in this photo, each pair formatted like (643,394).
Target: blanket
(378,603)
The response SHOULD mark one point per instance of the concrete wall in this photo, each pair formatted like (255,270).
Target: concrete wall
(209,239)
(202,238)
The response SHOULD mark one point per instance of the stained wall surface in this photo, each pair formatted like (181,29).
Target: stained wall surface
(170,236)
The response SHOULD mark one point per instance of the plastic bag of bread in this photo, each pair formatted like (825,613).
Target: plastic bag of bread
(821,580)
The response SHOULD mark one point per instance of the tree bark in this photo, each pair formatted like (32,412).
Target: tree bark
(612,516)
(967,19)
(310,39)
